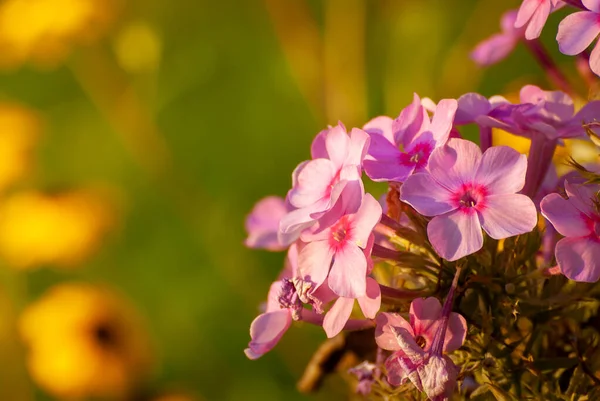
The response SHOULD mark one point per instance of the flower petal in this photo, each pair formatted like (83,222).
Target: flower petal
(381,125)
(314,261)
(425,315)
(412,120)
(441,123)
(577,31)
(371,302)
(454,164)
(337,143)
(359,145)
(365,220)
(428,197)
(470,106)
(337,316)
(455,234)
(579,259)
(347,277)
(507,215)
(502,170)
(538,20)
(581,196)
(266,331)
(528,7)
(383,335)
(564,216)
(313,183)
(595,59)
(592,5)
(455,333)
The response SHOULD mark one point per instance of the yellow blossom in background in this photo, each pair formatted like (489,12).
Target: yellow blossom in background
(60,229)
(84,341)
(43,31)
(138,47)
(19,132)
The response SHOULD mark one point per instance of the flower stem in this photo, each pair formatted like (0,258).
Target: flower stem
(391,295)
(440,335)
(485,138)
(541,151)
(554,74)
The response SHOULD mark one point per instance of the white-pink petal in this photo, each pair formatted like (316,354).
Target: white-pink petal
(579,258)
(338,315)
(592,5)
(455,234)
(455,163)
(365,220)
(507,215)
(314,261)
(502,170)
(371,301)
(266,331)
(337,143)
(441,123)
(595,59)
(347,277)
(424,193)
(577,31)
(383,335)
(455,333)
(313,183)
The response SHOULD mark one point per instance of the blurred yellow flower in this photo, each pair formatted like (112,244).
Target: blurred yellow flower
(60,229)
(84,341)
(138,47)
(43,31)
(19,131)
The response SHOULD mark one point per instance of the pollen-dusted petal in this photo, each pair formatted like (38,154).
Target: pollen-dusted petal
(314,261)
(313,183)
(455,234)
(502,170)
(455,163)
(371,302)
(455,333)
(365,220)
(564,216)
(428,197)
(579,258)
(337,316)
(347,277)
(266,331)
(577,31)
(383,335)
(507,215)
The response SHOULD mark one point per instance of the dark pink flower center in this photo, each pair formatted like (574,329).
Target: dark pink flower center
(418,156)
(470,197)
(339,232)
(597,228)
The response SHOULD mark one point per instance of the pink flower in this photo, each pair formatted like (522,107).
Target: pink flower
(419,345)
(398,150)
(578,219)
(497,47)
(319,183)
(336,249)
(262,224)
(466,191)
(577,31)
(534,14)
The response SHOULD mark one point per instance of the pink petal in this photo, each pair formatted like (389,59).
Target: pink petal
(471,105)
(592,5)
(455,333)
(371,302)
(337,143)
(538,20)
(438,377)
(317,148)
(266,331)
(381,125)
(455,163)
(314,261)
(293,223)
(581,196)
(425,315)
(579,258)
(262,224)
(507,215)
(273,304)
(595,59)
(359,145)
(455,234)
(528,7)
(337,316)
(383,335)
(387,170)
(412,120)
(428,197)
(313,183)
(365,220)
(441,123)
(564,216)
(347,277)
(577,31)
(502,170)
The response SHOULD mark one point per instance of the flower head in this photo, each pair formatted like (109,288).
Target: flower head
(467,191)
(578,219)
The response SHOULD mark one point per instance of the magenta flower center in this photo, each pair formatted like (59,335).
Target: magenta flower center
(470,197)
(418,156)
(339,232)
(597,228)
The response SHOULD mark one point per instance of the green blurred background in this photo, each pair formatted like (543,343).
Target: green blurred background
(190,112)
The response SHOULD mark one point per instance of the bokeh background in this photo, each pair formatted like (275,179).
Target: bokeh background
(136,135)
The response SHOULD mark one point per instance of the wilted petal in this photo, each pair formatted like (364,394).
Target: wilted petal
(347,277)
(371,302)
(507,215)
(579,258)
(564,216)
(438,377)
(428,197)
(577,31)
(384,336)
(455,234)
(454,164)
(266,331)
(337,316)
(502,170)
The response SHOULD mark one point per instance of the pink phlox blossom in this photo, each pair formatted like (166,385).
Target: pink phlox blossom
(419,345)
(533,14)
(318,184)
(498,46)
(467,191)
(402,146)
(340,250)
(578,30)
(578,219)
(262,224)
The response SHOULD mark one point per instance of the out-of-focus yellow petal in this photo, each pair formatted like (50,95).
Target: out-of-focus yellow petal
(59,229)
(44,30)
(84,341)
(138,48)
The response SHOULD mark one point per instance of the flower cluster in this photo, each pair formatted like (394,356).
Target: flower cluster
(452,205)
